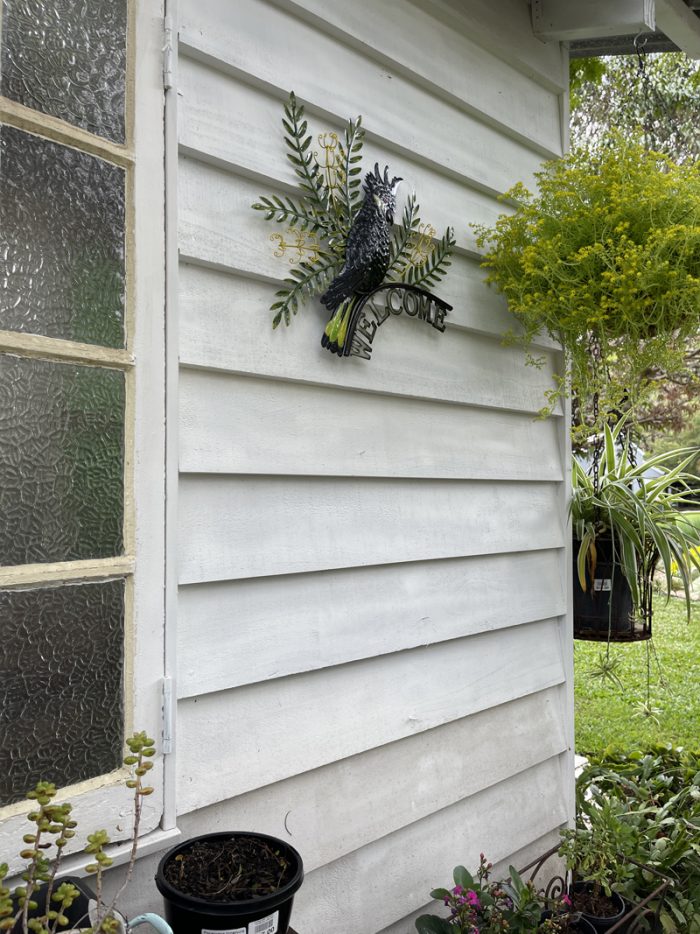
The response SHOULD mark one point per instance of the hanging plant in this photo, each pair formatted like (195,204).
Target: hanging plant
(639,508)
(606,254)
(322,218)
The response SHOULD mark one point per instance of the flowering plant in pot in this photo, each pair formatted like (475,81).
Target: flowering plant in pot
(489,907)
(238,882)
(46,903)
(606,255)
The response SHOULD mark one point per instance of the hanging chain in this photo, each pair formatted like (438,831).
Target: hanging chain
(595,352)
(643,75)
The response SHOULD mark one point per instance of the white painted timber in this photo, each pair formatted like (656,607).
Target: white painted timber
(340,807)
(474,307)
(217,215)
(395,873)
(340,616)
(207,135)
(371,655)
(220,330)
(680,24)
(505,30)
(302,722)
(259,44)
(234,424)
(451,65)
(257,526)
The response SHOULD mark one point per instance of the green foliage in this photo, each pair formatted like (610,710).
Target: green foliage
(475,903)
(659,102)
(605,711)
(645,806)
(688,437)
(641,513)
(607,250)
(327,208)
(436,263)
(53,829)
(584,73)
(593,848)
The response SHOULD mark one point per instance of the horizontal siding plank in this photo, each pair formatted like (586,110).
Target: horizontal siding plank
(225,324)
(505,30)
(315,621)
(443,60)
(219,226)
(338,808)
(474,306)
(309,720)
(208,134)
(393,875)
(260,526)
(340,82)
(234,424)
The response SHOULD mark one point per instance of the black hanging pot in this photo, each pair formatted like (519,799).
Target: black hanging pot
(605,607)
(237,882)
(601,923)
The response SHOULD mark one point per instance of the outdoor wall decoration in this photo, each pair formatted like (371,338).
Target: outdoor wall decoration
(343,242)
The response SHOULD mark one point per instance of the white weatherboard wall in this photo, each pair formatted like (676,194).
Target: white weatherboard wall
(373,656)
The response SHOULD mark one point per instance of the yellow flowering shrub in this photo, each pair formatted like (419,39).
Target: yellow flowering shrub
(608,248)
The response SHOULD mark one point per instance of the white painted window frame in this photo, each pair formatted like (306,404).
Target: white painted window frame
(104,801)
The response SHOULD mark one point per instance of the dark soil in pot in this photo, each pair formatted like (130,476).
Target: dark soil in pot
(236,868)
(235,882)
(603,911)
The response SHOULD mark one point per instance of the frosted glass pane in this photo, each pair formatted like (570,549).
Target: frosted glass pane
(61,694)
(61,241)
(67,58)
(61,461)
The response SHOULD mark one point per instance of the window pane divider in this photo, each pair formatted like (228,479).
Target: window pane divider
(66,571)
(59,131)
(53,348)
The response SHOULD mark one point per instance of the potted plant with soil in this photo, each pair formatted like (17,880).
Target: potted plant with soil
(489,907)
(628,522)
(46,902)
(237,882)
(593,854)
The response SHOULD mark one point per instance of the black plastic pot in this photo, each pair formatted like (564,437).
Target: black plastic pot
(269,914)
(599,923)
(606,604)
(78,913)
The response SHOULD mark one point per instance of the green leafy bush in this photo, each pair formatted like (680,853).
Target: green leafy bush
(646,806)
(606,254)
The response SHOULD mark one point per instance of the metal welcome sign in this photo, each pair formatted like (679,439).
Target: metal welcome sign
(372,310)
(349,251)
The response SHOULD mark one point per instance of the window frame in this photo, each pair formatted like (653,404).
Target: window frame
(103,801)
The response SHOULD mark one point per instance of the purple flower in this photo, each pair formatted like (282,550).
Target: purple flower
(473,899)
(457,890)
(567,901)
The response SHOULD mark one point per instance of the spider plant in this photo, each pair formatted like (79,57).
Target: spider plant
(639,507)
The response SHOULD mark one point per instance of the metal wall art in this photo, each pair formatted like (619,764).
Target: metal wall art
(348,250)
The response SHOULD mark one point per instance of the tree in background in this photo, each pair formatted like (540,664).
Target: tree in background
(655,97)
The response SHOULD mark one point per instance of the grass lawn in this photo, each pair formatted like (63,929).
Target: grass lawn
(607,714)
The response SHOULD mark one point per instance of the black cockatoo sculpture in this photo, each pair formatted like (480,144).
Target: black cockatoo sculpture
(367,255)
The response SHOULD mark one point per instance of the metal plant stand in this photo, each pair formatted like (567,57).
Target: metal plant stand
(640,917)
